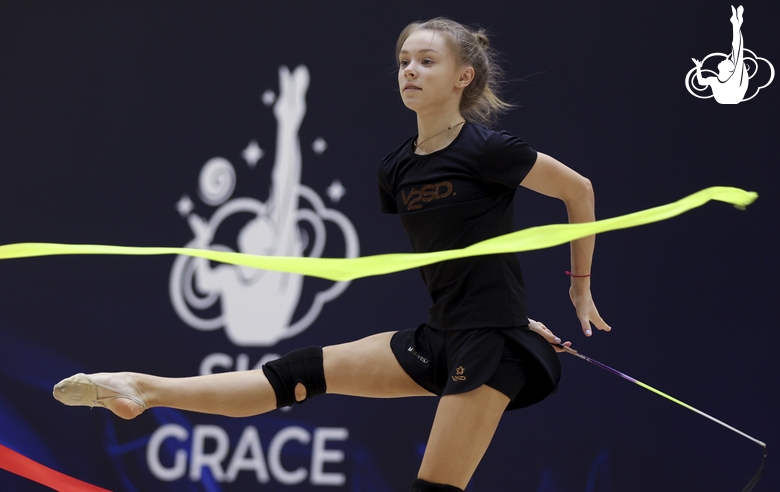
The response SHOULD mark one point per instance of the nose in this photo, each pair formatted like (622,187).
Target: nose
(409,71)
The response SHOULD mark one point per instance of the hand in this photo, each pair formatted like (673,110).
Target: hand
(539,328)
(586,311)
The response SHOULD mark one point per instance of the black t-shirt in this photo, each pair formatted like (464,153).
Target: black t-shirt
(451,199)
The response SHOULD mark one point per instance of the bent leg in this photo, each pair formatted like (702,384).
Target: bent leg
(461,432)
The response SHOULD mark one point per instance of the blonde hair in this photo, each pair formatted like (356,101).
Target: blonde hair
(480,101)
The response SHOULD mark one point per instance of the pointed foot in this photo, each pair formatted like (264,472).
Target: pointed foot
(115,392)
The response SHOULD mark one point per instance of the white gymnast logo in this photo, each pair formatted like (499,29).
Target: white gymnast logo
(257,306)
(730,84)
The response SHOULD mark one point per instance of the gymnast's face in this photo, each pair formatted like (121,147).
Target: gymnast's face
(427,72)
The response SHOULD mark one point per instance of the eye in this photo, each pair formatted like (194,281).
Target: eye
(403,63)
(427,61)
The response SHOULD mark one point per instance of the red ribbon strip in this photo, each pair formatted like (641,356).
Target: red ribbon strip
(21,465)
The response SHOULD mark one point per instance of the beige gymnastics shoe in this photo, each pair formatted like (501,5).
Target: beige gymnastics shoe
(83,390)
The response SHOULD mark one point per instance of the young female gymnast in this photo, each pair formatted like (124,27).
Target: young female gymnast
(452,185)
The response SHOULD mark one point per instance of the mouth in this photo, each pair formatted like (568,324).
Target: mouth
(411,87)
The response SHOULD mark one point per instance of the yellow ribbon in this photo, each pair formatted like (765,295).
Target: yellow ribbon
(341,269)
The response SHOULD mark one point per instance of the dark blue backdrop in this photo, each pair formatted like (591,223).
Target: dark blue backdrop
(108,112)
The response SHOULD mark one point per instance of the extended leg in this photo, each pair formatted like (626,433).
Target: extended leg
(366,367)
(736,35)
(461,432)
(235,394)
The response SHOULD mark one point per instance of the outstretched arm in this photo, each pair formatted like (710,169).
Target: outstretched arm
(552,178)
(701,80)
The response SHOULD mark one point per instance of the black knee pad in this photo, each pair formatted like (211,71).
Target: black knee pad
(299,366)
(423,486)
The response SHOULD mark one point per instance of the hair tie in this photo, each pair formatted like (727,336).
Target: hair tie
(576,276)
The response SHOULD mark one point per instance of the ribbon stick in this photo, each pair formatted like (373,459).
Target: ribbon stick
(760,471)
(343,269)
(21,465)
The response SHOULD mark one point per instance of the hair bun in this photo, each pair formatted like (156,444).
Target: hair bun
(482,38)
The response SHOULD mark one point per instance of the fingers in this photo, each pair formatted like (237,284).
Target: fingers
(585,322)
(545,332)
(558,348)
(595,319)
(601,324)
(551,338)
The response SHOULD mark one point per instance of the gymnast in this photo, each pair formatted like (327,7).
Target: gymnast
(452,185)
(731,84)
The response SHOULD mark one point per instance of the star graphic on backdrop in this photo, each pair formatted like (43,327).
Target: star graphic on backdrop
(336,190)
(252,153)
(268,97)
(184,206)
(319,145)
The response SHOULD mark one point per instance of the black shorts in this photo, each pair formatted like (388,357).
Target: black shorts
(517,362)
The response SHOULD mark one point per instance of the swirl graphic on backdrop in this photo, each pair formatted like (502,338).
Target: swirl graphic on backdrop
(730,83)
(217,181)
(257,306)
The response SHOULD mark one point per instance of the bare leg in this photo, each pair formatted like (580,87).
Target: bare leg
(461,432)
(366,367)
(234,394)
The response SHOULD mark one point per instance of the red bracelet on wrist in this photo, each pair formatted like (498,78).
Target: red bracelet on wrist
(576,276)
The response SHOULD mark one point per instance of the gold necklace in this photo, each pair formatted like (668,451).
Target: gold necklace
(443,131)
